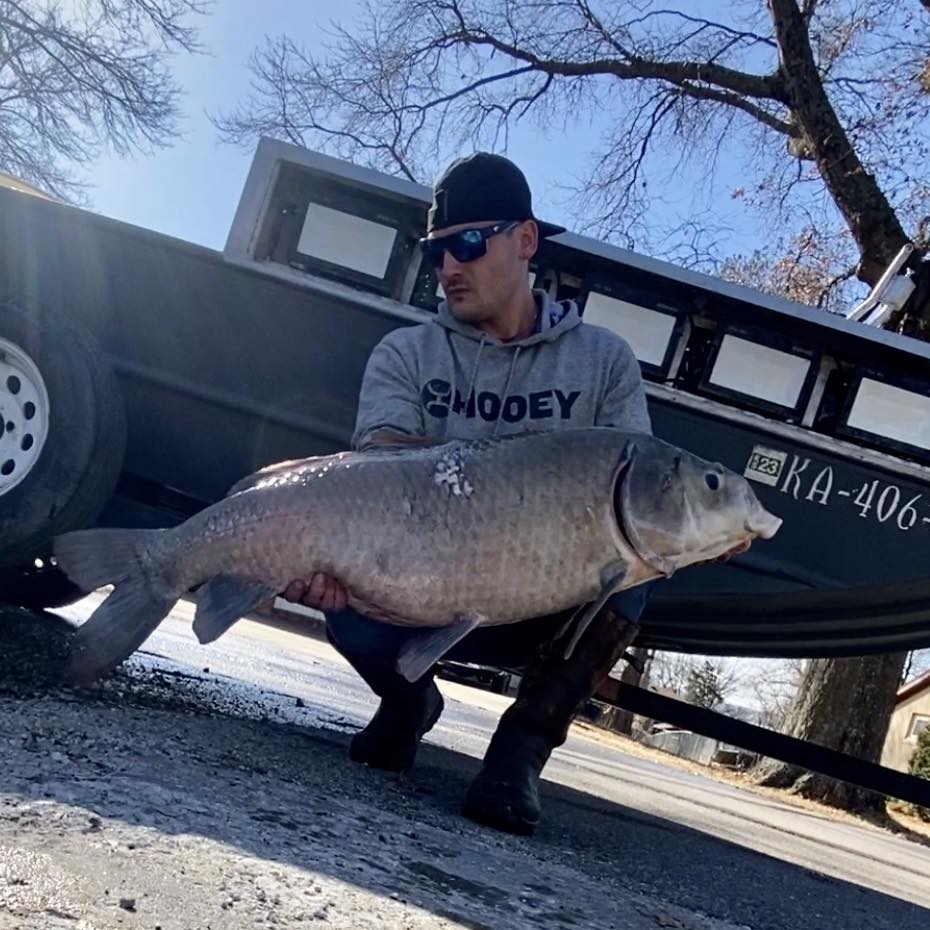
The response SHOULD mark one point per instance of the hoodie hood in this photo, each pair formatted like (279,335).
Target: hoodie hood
(447,379)
(553,320)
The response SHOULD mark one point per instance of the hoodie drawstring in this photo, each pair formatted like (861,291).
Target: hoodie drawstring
(513,366)
(470,390)
(471,381)
(474,371)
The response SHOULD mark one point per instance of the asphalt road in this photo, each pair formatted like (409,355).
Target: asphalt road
(209,787)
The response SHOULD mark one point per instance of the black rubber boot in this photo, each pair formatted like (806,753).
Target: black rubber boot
(505,793)
(391,739)
(408,710)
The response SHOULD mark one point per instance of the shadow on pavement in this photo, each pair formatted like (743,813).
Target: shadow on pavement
(139,750)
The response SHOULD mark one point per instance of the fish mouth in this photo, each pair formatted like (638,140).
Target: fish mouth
(763,524)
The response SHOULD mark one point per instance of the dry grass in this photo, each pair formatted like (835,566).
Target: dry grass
(899,821)
(898,812)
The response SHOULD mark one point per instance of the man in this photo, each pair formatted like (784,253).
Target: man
(499,359)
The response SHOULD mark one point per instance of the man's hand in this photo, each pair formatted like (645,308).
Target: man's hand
(320,592)
(736,550)
(388,438)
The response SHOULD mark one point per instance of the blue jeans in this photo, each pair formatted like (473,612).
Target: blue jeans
(371,646)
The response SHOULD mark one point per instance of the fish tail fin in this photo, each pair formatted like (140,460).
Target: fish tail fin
(115,630)
(97,557)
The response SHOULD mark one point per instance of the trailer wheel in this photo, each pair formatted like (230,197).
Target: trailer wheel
(62,443)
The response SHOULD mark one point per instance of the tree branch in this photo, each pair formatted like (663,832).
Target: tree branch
(676,72)
(733,100)
(737,34)
(81,77)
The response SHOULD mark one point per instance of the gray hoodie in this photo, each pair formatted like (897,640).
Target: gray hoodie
(448,380)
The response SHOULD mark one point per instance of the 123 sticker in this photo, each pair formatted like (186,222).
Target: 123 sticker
(766,465)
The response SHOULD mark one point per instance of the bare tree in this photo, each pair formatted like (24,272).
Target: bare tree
(822,713)
(78,77)
(824,104)
(669,671)
(823,100)
(918,662)
(775,687)
(674,671)
(814,268)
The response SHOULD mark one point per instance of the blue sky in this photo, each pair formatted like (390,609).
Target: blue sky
(191,189)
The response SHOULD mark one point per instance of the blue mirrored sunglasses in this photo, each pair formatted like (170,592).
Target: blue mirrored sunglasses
(464,246)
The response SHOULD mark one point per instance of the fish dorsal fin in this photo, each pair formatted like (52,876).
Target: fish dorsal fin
(269,471)
(426,648)
(386,440)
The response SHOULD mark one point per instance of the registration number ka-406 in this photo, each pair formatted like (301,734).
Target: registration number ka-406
(803,478)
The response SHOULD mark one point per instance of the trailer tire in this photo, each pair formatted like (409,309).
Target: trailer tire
(62,443)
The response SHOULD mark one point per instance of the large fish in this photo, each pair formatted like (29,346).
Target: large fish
(446,538)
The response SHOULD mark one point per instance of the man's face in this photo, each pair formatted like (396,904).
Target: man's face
(479,290)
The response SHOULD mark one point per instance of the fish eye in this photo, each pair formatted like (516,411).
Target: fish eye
(712,481)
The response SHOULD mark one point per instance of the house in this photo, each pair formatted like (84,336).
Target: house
(910,716)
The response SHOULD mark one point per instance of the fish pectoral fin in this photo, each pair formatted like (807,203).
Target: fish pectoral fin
(223,600)
(611,580)
(425,649)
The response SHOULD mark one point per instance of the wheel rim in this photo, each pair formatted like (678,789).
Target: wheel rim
(24,411)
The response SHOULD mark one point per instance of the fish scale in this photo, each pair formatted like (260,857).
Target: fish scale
(491,530)
(421,566)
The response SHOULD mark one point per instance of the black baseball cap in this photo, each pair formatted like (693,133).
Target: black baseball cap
(482,187)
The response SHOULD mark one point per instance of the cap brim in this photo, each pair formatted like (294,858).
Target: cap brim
(548,229)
